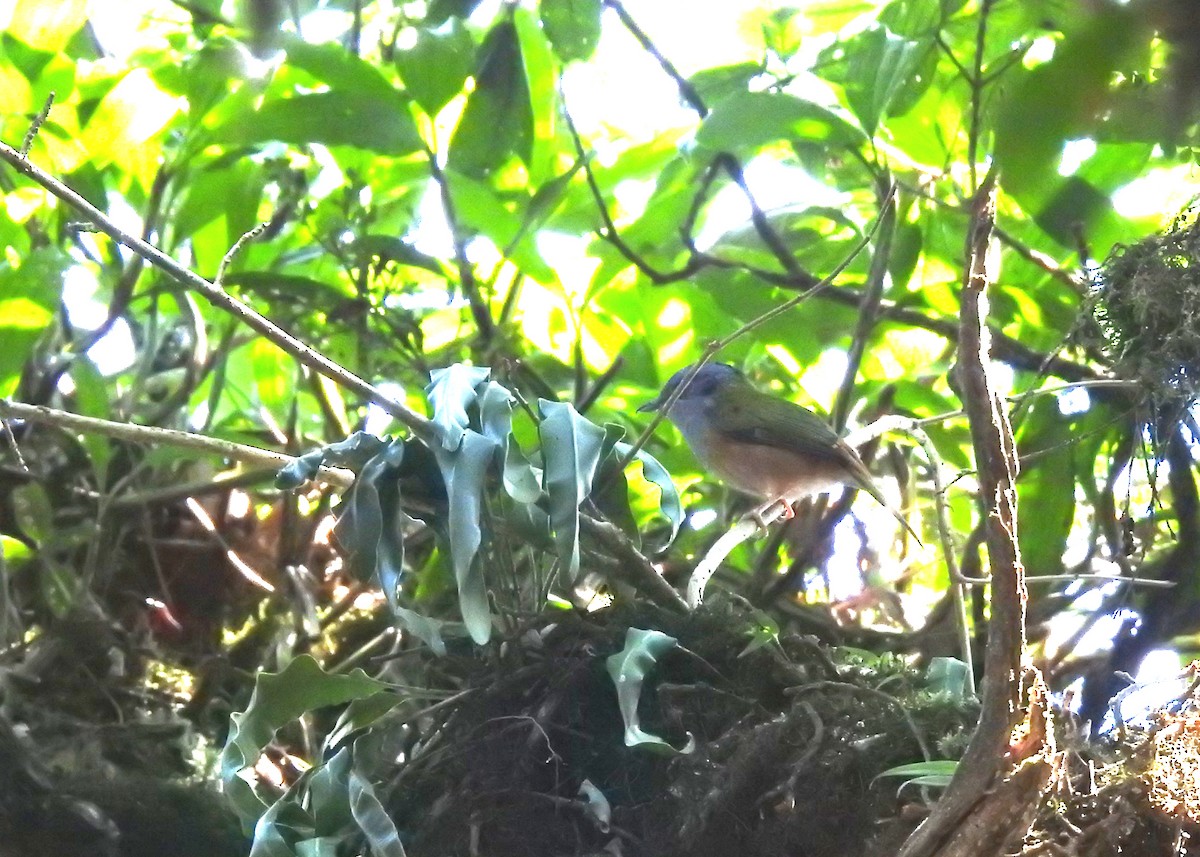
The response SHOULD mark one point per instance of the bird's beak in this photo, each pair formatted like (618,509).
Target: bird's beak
(652,405)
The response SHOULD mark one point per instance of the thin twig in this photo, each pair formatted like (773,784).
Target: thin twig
(167,437)
(466,271)
(868,314)
(228,258)
(36,125)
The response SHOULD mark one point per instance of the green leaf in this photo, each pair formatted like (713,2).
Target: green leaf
(129,120)
(572,26)
(47,26)
(1058,452)
(541,78)
(441,10)
(28,298)
(1046,489)
(1055,102)
(877,66)
(716,84)
(932,768)
(14,550)
(479,207)
(498,119)
(937,773)
(91,400)
(747,121)
(571,446)
(465,470)
(389,248)
(285,287)
(329,118)
(435,68)
(451,391)
(373,820)
(628,669)
(280,698)
(341,69)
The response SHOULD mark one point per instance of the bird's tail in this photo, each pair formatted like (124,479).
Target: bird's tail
(867,484)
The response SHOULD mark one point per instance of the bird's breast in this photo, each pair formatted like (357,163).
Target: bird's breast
(773,473)
(763,471)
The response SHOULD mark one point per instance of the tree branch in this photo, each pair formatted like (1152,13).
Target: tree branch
(982,766)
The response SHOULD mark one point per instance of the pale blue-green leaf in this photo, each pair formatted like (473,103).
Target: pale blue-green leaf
(598,809)
(495,412)
(280,698)
(425,628)
(465,471)
(948,675)
(628,669)
(451,391)
(373,820)
(318,846)
(284,823)
(328,801)
(360,714)
(353,452)
(371,523)
(522,480)
(571,446)
(669,502)
(245,803)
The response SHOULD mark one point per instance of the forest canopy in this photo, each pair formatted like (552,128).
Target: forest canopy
(325,324)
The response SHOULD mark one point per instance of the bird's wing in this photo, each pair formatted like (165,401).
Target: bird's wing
(781,424)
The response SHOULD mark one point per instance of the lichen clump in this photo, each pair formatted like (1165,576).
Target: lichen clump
(1146,303)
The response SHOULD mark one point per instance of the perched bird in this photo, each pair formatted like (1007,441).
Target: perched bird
(760,444)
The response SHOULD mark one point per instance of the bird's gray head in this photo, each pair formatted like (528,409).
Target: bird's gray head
(710,378)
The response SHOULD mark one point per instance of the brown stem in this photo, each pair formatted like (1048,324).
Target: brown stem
(983,764)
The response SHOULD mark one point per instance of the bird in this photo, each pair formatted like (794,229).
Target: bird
(760,444)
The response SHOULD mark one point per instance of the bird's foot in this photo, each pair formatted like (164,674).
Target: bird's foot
(777,509)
